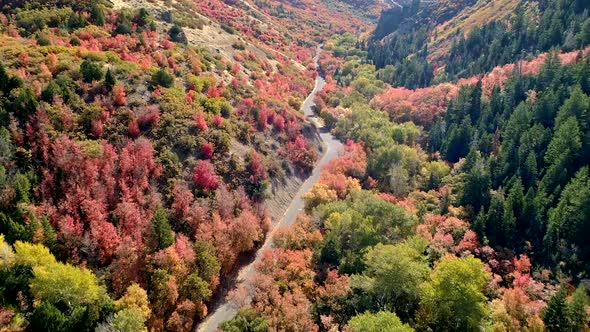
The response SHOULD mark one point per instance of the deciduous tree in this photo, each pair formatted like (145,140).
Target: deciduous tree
(381,321)
(453,299)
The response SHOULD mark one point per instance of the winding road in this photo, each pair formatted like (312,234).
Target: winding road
(331,148)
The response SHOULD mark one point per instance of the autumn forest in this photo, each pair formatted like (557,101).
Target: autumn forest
(294,165)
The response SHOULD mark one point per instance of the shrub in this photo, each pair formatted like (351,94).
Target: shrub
(228,29)
(124,28)
(51,90)
(177,34)
(163,78)
(109,80)
(119,95)
(43,39)
(90,71)
(239,46)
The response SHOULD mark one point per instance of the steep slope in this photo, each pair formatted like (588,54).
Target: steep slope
(140,143)
(462,207)
(227,308)
(434,41)
(463,22)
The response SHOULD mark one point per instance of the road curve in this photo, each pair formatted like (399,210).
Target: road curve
(331,148)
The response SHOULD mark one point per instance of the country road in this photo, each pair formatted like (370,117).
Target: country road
(331,148)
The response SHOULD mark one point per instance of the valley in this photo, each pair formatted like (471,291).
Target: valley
(294,165)
(330,150)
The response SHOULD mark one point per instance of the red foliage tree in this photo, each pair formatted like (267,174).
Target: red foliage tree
(293,129)
(149,115)
(204,176)
(226,202)
(262,119)
(420,106)
(217,120)
(181,319)
(105,238)
(200,121)
(182,200)
(133,128)
(245,231)
(235,83)
(352,161)
(285,306)
(126,266)
(131,221)
(207,150)
(119,95)
(256,169)
(137,168)
(214,92)
(298,236)
(97,128)
(300,155)
(279,122)
(190,96)
(78,186)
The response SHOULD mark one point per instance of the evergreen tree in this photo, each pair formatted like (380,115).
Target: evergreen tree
(494,221)
(177,34)
(577,310)
(546,108)
(109,80)
(479,225)
(534,229)
(570,220)
(578,106)
(97,15)
(550,72)
(49,236)
(436,136)
(195,289)
(513,212)
(26,103)
(51,90)
(445,202)
(162,232)
(475,105)
(529,171)
(328,253)
(555,315)
(561,153)
(90,71)
(583,76)
(584,36)
(458,141)
(4,79)
(476,189)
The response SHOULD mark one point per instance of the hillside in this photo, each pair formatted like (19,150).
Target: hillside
(454,207)
(294,165)
(147,148)
(431,42)
(464,21)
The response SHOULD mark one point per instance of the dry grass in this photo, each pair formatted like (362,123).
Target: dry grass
(484,11)
(211,36)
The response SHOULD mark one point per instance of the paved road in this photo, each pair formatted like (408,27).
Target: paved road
(331,148)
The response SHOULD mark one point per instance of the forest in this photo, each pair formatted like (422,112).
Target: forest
(146,145)
(134,167)
(460,206)
(407,41)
